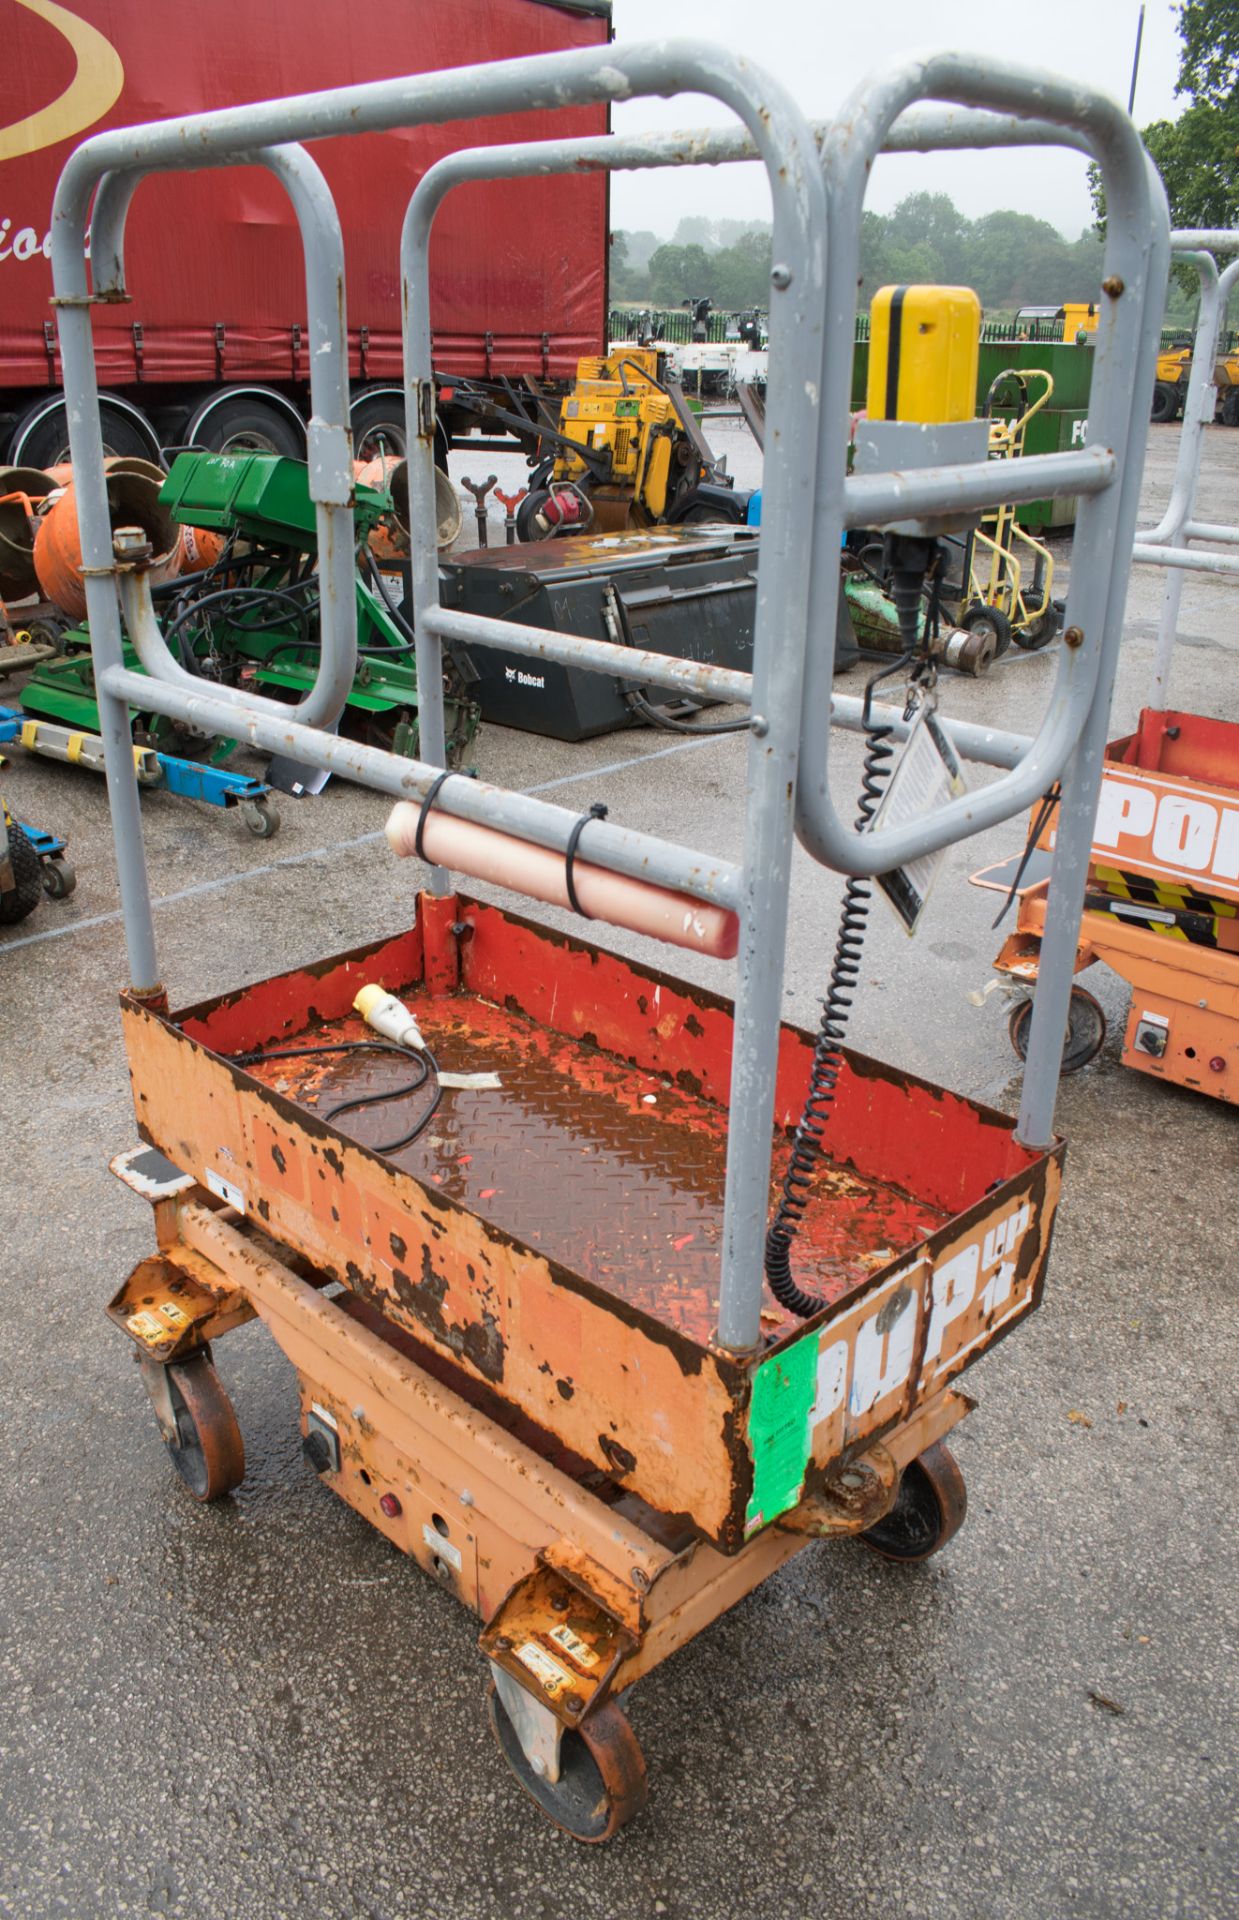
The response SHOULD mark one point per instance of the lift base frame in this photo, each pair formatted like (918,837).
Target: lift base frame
(582,1587)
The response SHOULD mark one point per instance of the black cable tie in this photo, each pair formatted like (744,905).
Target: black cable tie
(1041,821)
(596,812)
(431,796)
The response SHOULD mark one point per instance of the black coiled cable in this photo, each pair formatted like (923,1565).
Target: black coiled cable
(827,1054)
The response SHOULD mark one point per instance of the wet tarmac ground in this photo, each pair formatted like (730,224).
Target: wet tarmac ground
(262,1710)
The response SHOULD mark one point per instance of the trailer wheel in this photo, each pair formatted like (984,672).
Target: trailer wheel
(248,421)
(1086,1030)
(602,1781)
(41,436)
(929,1508)
(378,424)
(1165,401)
(27,890)
(208,1452)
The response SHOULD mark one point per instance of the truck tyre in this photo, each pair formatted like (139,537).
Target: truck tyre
(1165,402)
(378,424)
(41,436)
(1230,408)
(248,420)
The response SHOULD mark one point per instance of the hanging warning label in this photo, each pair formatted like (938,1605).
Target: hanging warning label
(927,775)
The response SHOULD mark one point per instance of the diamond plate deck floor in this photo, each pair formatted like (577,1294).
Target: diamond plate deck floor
(611,1171)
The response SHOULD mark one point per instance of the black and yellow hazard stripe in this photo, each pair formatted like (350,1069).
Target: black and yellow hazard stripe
(1142,888)
(1200,929)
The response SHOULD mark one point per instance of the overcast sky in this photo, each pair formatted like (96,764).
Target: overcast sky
(821,49)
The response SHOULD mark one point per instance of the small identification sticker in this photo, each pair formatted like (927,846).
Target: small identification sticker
(174,1315)
(224,1189)
(147,1326)
(444,1548)
(926,775)
(551,1677)
(574,1646)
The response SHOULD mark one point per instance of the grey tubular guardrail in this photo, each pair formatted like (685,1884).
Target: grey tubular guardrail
(848,155)
(328,440)
(1071,742)
(758,889)
(1168,543)
(788,151)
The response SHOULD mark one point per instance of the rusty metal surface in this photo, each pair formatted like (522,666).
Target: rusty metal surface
(419,1439)
(175,1301)
(558,1642)
(614,1173)
(558,1238)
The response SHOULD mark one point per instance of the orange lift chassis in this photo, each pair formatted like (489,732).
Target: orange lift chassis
(599,1359)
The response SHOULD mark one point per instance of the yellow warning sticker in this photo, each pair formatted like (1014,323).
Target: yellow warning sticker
(573,1644)
(147,1326)
(551,1677)
(174,1315)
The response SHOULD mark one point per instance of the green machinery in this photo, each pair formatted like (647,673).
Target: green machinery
(250,614)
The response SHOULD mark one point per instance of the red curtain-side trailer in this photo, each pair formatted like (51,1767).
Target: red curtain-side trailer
(214,259)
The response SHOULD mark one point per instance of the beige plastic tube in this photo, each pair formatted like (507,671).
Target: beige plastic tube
(517,864)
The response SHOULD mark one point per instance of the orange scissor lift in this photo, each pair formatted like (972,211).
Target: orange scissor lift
(1162,900)
(516,1251)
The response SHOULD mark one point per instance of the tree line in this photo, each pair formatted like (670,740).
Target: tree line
(1010,258)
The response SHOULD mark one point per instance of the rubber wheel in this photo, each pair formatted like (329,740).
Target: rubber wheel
(1039,633)
(260,818)
(1165,402)
(1086,1030)
(378,427)
(929,1508)
(531,504)
(602,1781)
(1230,409)
(209,1453)
(59,879)
(27,889)
(978,617)
(249,424)
(45,442)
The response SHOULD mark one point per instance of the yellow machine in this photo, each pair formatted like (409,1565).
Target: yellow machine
(1174,369)
(628,452)
(1079,316)
(924,346)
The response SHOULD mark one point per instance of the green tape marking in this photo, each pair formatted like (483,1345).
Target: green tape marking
(780,1413)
